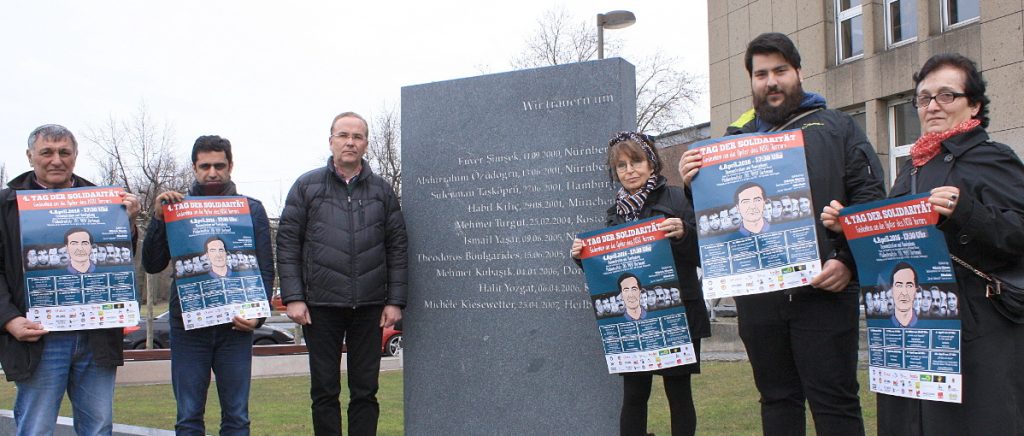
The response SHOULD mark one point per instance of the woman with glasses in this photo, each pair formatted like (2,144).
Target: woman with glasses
(633,161)
(977,188)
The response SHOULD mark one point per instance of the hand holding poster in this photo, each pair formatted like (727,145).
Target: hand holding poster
(213,252)
(755,225)
(77,248)
(910,298)
(635,293)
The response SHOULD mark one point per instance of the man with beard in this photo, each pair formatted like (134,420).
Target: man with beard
(715,223)
(802,342)
(225,349)
(937,303)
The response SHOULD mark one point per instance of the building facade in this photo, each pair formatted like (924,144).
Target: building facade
(861,56)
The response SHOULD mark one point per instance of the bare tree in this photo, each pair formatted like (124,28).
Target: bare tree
(3,174)
(385,149)
(138,154)
(560,39)
(665,95)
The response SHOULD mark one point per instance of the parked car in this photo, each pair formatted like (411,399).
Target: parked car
(135,337)
(276,303)
(392,343)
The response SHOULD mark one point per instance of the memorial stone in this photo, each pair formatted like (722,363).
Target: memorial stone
(500,173)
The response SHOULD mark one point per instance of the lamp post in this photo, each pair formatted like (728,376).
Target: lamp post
(611,20)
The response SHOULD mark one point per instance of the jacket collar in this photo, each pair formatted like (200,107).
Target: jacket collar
(959,144)
(27,181)
(364,172)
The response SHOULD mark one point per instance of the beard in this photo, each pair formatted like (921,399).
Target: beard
(777,115)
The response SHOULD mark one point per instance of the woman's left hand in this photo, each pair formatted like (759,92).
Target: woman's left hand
(673,228)
(944,199)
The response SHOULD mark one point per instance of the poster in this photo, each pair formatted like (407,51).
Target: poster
(633,285)
(755,223)
(910,298)
(77,257)
(214,255)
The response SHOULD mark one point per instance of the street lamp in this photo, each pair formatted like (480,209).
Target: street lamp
(611,20)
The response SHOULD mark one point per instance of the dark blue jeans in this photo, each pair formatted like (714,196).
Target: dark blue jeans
(228,353)
(324,338)
(67,365)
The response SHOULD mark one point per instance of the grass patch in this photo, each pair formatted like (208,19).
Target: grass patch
(725,396)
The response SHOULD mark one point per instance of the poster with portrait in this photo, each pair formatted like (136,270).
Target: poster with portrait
(755,223)
(911,298)
(76,247)
(213,251)
(634,289)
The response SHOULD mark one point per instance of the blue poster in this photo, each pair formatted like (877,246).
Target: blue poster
(911,298)
(633,285)
(214,255)
(755,223)
(77,255)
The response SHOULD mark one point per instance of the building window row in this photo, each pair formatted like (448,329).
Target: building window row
(900,23)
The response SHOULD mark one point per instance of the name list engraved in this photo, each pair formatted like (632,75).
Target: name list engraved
(510,219)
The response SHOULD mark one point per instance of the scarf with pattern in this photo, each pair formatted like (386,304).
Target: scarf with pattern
(628,205)
(927,146)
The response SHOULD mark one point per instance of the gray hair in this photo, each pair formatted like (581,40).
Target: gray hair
(353,115)
(51,132)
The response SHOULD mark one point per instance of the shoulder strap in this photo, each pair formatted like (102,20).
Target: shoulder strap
(795,119)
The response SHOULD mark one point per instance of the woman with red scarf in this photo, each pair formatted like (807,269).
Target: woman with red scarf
(977,187)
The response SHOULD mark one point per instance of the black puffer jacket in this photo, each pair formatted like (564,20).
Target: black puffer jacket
(20,359)
(841,165)
(342,244)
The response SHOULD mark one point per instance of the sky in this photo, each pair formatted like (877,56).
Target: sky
(270,76)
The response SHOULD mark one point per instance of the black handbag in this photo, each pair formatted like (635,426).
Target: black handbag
(1005,290)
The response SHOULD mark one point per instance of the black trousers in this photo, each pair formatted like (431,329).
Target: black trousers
(803,347)
(636,390)
(324,338)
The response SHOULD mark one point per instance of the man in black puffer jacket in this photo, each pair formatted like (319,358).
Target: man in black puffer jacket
(341,253)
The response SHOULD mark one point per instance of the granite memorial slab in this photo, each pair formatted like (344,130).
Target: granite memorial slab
(500,173)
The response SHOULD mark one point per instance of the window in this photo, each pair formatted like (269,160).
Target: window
(959,12)
(849,30)
(904,129)
(900,21)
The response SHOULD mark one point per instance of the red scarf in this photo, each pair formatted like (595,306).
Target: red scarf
(927,146)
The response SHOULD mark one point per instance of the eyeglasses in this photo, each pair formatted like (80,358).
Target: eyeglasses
(624,167)
(345,135)
(942,97)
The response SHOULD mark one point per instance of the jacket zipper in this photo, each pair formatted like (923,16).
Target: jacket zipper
(352,248)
